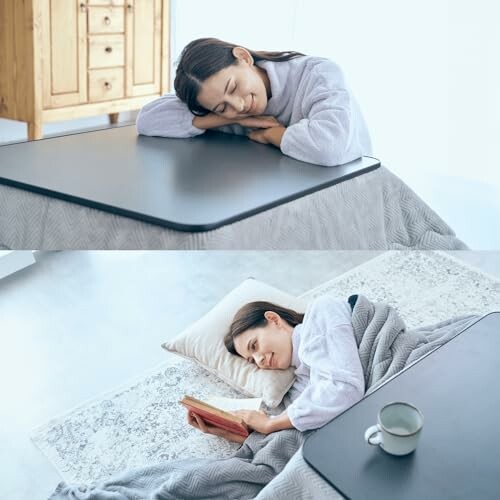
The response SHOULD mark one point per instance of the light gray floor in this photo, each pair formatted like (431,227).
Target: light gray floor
(77,324)
(14,131)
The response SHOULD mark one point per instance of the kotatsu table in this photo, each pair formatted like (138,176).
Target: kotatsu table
(112,189)
(458,454)
(195,184)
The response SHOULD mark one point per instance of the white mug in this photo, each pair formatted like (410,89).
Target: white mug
(398,428)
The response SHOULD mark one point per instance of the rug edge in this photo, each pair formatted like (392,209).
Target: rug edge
(124,385)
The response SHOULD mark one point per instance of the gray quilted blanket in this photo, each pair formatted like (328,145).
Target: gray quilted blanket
(385,347)
(375,211)
(241,476)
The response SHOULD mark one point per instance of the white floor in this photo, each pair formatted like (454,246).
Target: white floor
(472,209)
(77,324)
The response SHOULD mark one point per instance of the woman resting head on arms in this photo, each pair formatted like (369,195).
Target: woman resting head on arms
(298,103)
(320,345)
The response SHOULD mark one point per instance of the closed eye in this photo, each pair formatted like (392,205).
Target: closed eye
(253,345)
(232,91)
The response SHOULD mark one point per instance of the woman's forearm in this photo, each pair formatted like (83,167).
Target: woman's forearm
(212,121)
(279,423)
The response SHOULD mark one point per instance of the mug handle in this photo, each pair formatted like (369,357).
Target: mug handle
(373,431)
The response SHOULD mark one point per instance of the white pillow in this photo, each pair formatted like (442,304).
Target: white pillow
(203,342)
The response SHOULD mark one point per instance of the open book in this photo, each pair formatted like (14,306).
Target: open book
(219,415)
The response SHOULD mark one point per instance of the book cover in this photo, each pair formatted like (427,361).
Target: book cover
(217,416)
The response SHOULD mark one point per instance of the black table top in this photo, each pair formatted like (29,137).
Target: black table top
(458,454)
(193,184)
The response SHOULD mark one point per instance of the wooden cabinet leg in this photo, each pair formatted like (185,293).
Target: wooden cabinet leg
(35,130)
(113,118)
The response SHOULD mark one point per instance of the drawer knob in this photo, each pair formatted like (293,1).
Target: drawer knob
(109,49)
(107,20)
(83,7)
(130,7)
(108,85)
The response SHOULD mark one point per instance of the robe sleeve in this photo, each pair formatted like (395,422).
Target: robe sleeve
(167,116)
(325,136)
(336,375)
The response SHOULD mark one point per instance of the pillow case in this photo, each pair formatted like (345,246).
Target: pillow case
(203,342)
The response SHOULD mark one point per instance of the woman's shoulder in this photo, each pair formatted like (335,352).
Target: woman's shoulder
(317,72)
(324,302)
(327,311)
(324,68)
(313,63)
(323,315)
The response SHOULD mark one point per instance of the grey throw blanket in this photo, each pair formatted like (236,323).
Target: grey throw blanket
(385,347)
(240,476)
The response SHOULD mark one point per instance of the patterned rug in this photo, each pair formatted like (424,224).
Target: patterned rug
(141,422)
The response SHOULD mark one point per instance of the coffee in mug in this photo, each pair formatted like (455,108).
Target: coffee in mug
(398,428)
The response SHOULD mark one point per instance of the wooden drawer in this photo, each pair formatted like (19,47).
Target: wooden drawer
(106,2)
(106,51)
(106,84)
(106,20)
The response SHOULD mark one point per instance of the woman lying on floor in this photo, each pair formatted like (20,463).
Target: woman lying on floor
(300,104)
(341,351)
(323,351)
(329,379)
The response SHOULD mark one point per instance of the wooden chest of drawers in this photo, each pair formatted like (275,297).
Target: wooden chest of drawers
(65,59)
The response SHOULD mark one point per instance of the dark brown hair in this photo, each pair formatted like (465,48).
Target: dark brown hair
(251,315)
(202,58)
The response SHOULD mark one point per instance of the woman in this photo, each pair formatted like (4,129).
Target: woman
(300,104)
(320,345)
(329,379)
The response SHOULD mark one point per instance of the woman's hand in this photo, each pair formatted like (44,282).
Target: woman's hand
(212,120)
(197,422)
(256,420)
(273,135)
(259,121)
(270,129)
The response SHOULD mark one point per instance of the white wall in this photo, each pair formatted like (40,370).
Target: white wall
(426,75)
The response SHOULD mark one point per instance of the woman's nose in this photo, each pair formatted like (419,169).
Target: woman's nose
(259,358)
(238,103)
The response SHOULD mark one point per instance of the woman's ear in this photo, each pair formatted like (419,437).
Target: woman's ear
(243,55)
(272,317)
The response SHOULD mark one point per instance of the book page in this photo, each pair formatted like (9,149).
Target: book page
(232,404)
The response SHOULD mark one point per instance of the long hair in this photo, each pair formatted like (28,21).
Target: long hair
(251,315)
(204,57)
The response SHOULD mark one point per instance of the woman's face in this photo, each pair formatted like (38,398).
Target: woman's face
(269,347)
(237,91)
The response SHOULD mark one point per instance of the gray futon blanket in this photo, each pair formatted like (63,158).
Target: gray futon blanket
(385,348)
(374,211)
